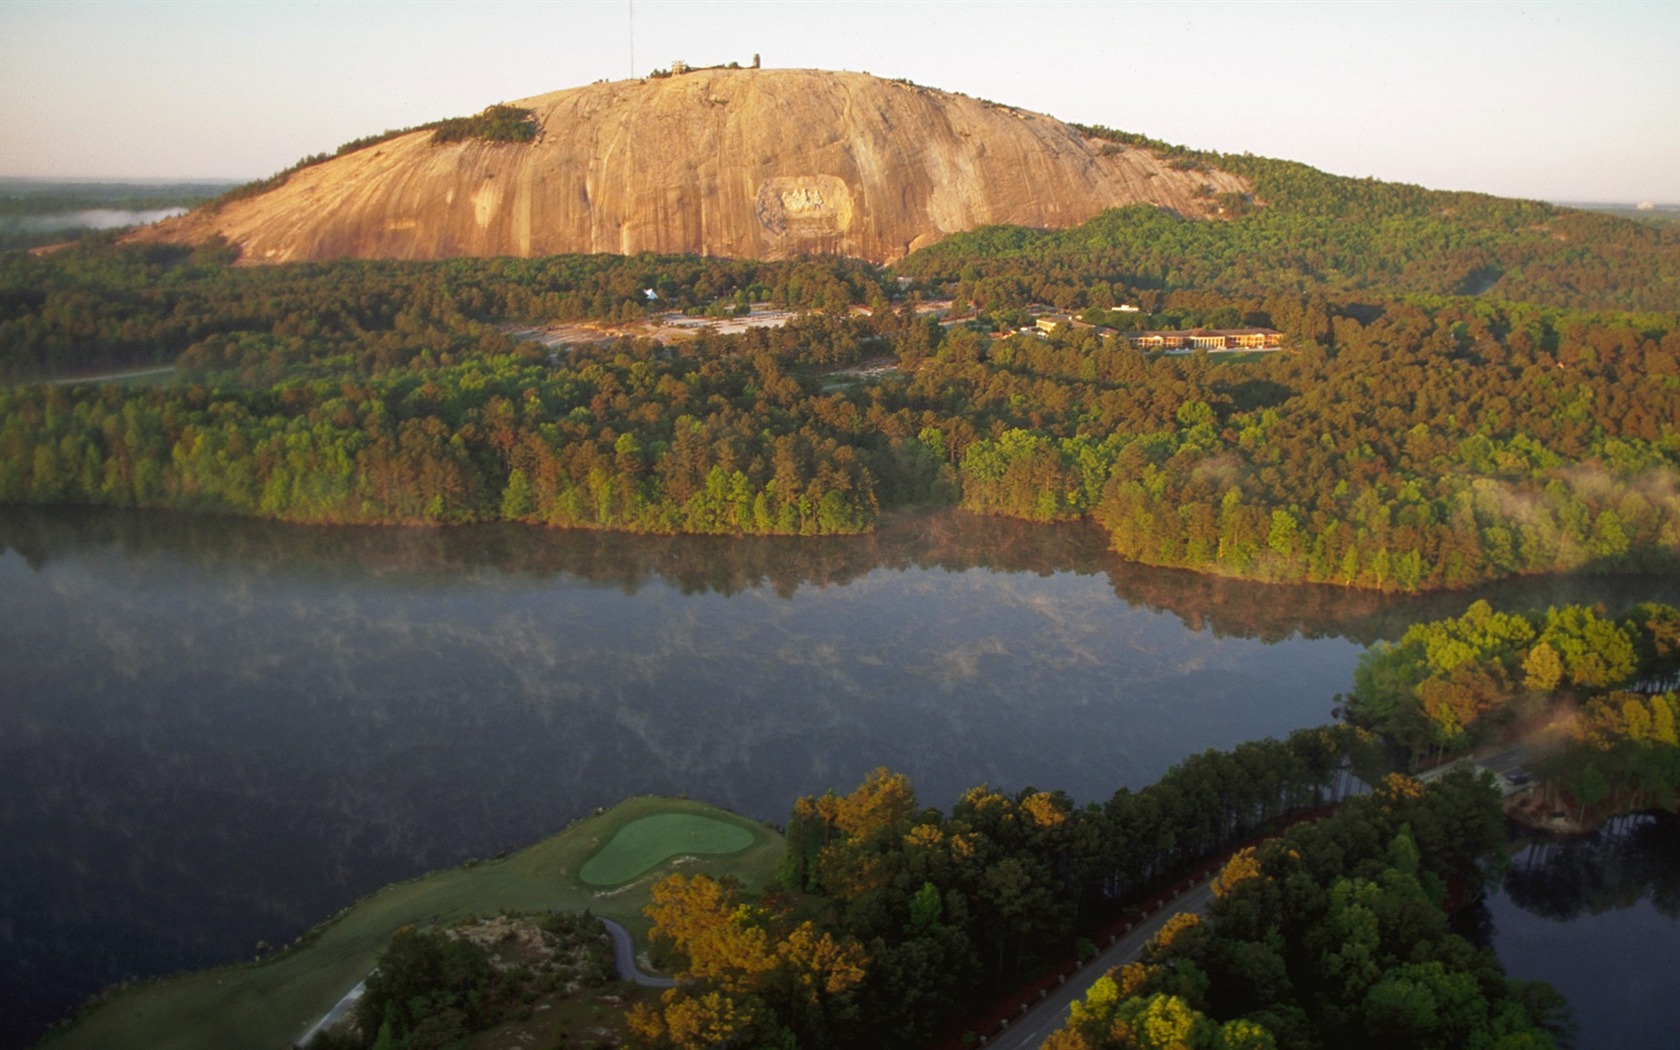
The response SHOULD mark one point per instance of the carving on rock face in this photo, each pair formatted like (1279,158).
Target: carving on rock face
(804,206)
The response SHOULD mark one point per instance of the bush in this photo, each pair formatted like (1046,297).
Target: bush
(496,124)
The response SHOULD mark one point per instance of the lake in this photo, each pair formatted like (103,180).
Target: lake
(219,732)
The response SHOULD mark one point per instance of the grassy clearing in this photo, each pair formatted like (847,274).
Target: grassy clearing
(271,1003)
(644,843)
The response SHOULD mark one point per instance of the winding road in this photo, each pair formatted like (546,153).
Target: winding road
(624,957)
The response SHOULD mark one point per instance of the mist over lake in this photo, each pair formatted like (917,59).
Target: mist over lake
(87,219)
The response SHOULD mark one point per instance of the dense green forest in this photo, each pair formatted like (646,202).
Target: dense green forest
(1332,935)
(895,922)
(359,393)
(1305,231)
(1408,438)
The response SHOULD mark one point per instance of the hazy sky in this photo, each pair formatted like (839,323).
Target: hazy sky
(1561,101)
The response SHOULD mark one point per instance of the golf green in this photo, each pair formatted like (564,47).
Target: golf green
(643,843)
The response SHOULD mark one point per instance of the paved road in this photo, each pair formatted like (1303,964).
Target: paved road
(624,957)
(1505,762)
(337,1013)
(113,377)
(1030,1032)
(1509,764)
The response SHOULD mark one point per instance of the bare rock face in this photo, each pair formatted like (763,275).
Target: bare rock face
(747,163)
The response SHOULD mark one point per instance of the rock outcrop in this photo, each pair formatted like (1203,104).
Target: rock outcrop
(736,162)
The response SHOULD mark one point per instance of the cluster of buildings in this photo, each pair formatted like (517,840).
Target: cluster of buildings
(1186,341)
(1208,339)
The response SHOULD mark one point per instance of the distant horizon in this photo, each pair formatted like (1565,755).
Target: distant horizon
(1655,205)
(121,180)
(1531,101)
(214,180)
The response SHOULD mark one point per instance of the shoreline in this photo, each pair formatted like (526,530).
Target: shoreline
(886,521)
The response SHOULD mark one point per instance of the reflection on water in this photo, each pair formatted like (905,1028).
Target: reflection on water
(218,732)
(952,541)
(1599,918)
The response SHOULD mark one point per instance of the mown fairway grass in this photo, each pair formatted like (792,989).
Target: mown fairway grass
(642,844)
(272,1003)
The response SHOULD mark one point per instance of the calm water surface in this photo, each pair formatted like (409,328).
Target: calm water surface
(1599,919)
(214,733)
